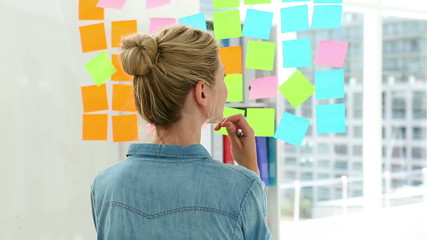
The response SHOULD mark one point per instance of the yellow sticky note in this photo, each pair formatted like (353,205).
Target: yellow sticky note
(94,98)
(262,121)
(123,99)
(120,75)
(89,11)
(95,126)
(228,112)
(234,83)
(121,29)
(125,128)
(92,37)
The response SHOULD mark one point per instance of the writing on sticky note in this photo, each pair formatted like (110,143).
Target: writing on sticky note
(120,75)
(125,128)
(120,29)
(329,84)
(231,58)
(100,68)
(123,99)
(292,129)
(218,4)
(227,24)
(260,55)
(95,127)
(113,4)
(158,23)
(258,24)
(330,118)
(197,21)
(297,89)
(331,53)
(93,37)
(252,2)
(262,121)
(227,113)
(234,83)
(94,98)
(326,17)
(265,87)
(156,3)
(297,53)
(89,11)
(294,18)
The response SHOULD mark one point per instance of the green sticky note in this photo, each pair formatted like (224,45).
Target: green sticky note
(218,4)
(251,2)
(228,112)
(227,24)
(262,121)
(234,84)
(297,89)
(100,68)
(260,55)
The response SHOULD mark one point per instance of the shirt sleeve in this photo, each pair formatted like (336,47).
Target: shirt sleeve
(92,199)
(254,213)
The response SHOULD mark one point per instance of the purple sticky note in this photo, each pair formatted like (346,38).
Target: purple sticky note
(331,53)
(156,3)
(114,4)
(263,87)
(158,23)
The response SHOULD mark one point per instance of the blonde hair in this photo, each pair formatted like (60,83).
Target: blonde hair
(165,67)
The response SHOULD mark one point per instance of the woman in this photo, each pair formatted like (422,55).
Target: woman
(172,188)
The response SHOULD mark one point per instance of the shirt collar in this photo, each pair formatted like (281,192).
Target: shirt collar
(167,151)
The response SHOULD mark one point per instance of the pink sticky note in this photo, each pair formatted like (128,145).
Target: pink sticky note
(114,4)
(157,23)
(151,129)
(331,53)
(263,87)
(156,3)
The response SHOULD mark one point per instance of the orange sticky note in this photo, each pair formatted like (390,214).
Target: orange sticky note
(89,11)
(231,57)
(123,99)
(94,98)
(95,126)
(93,37)
(125,128)
(120,75)
(120,29)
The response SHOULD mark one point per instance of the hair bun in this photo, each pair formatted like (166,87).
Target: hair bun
(138,54)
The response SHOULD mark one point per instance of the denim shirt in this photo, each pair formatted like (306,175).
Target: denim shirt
(177,192)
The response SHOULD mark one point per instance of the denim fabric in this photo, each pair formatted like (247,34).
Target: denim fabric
(177,192)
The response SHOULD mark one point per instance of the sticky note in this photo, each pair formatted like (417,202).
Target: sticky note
(258,24)
(89,11)
(229,112)
(94,98)
(297,89)
(113,4)
(197,21)
(125,128)
(251,2)
(234,84)
(158,23)
(231,58)
(120,75)
(330,118)
(297,53)
(95,127)
(93,37)
(120,29)
(265,87)
(292,129)
(331,53)
(260,55)
(156,3)
(218,4)
(326,16)
(262,121)
(100,68)
(329,84)
(123,99)
(294,18)
(227,24)
(327,1)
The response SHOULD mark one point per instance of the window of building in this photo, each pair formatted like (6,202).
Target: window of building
(341,165)
(290,161)
(398,132)
(418,153)
(357,132)
(341,149)
(323,148)
(357,150)
(419,133)
(323,164)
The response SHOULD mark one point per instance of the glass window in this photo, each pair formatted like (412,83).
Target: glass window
(289,161)
(419,105)
(357,132)
(398,105)
(357,166)
(398,132)
(307,176)
(357,150)
(418,153)
(341,165)
(419,133)
(324,193)
(323,176)
(323,148)
(398,152)
(323,164)
(341,149)
(290,175)
(357,105)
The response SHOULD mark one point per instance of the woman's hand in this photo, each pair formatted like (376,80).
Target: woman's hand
(243,148)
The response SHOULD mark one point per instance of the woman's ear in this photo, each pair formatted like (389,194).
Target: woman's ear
(201,93)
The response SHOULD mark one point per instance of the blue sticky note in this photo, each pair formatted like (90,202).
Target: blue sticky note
(330,118)
(197,21)
(327,1)
(297,53)
(294,18)
(258,24)
(326,17)
(292,129)
(329,84)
